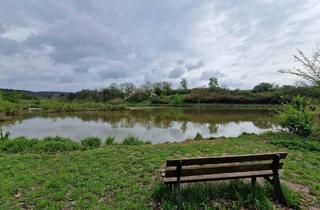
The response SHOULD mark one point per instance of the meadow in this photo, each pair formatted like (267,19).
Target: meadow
(117,176)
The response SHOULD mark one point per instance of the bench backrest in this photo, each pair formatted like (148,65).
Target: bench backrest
(224,164)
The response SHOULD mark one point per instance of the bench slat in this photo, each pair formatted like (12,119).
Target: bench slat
(216,177)
(227,159)
(210,169)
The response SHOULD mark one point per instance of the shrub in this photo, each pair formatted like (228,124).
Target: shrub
(138,96)
(296,118)
(91,143)
(158,100)
(198,137)
(17,145)
(61,145)
(110,140)
(176,100)
(133,140)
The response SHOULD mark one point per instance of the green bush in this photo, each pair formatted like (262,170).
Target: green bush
(51,146)
(177,99)
(18,145)
(133,140)
(91,143)
(296,118)
(110,140)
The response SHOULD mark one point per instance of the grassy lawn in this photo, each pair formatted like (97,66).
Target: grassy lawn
(127,176)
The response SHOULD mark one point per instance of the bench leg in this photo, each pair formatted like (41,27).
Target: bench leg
(276,180)
(277,187)
(179,168)
(253,181)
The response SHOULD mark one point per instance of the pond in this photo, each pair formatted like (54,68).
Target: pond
(154,124)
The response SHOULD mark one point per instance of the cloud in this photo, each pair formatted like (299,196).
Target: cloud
(194,66)
(18,34)
(208,74)
(70,45)
(176,73)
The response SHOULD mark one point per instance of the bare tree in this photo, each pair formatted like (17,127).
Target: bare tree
(147,87)
(128,88)
(310,69)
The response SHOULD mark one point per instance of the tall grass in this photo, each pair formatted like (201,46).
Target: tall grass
(4,135)
(91,143)
(223,195)
(110,140)
(133,140)
(58,144)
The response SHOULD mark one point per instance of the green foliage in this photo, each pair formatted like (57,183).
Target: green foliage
(46,145)
(98,179)
(133,140)
(293,198)
(213,84)
(296,118)
(62,106)
(233,195)
(263,87)
(184,84)
(295,143)
(198,137)
(176,100)
(110,140)
(4,135)
(138,96)
(56,144)
(300,103)
(159,99)
(18,145)
(91,143)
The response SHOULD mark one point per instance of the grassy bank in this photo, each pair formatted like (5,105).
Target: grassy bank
(9,111)
(127,176)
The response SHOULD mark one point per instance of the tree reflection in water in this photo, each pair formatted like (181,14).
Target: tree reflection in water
(171,122)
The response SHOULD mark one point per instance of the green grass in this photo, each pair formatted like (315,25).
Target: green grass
(127,176)
(233,194)
(133,140)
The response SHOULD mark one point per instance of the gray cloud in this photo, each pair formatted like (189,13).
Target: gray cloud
(208,74)
(176,73)
(69,45)
(194,66)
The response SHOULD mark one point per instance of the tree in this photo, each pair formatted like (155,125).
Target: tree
(213,83)
(310,69)
(166,87)
(263,87)
(128,88)
(157,88)
(147,87)
(184,84)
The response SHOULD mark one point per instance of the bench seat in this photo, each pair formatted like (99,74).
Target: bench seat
(217,177)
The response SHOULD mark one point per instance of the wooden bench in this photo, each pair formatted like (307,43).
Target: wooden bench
(225,168)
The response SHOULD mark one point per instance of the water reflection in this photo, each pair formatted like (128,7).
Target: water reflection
(154,124)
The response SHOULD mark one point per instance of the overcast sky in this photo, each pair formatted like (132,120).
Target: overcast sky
(68,45)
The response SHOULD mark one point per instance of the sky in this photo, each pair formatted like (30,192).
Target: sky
(79,44)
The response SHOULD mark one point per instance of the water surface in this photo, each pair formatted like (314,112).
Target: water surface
(154,124)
